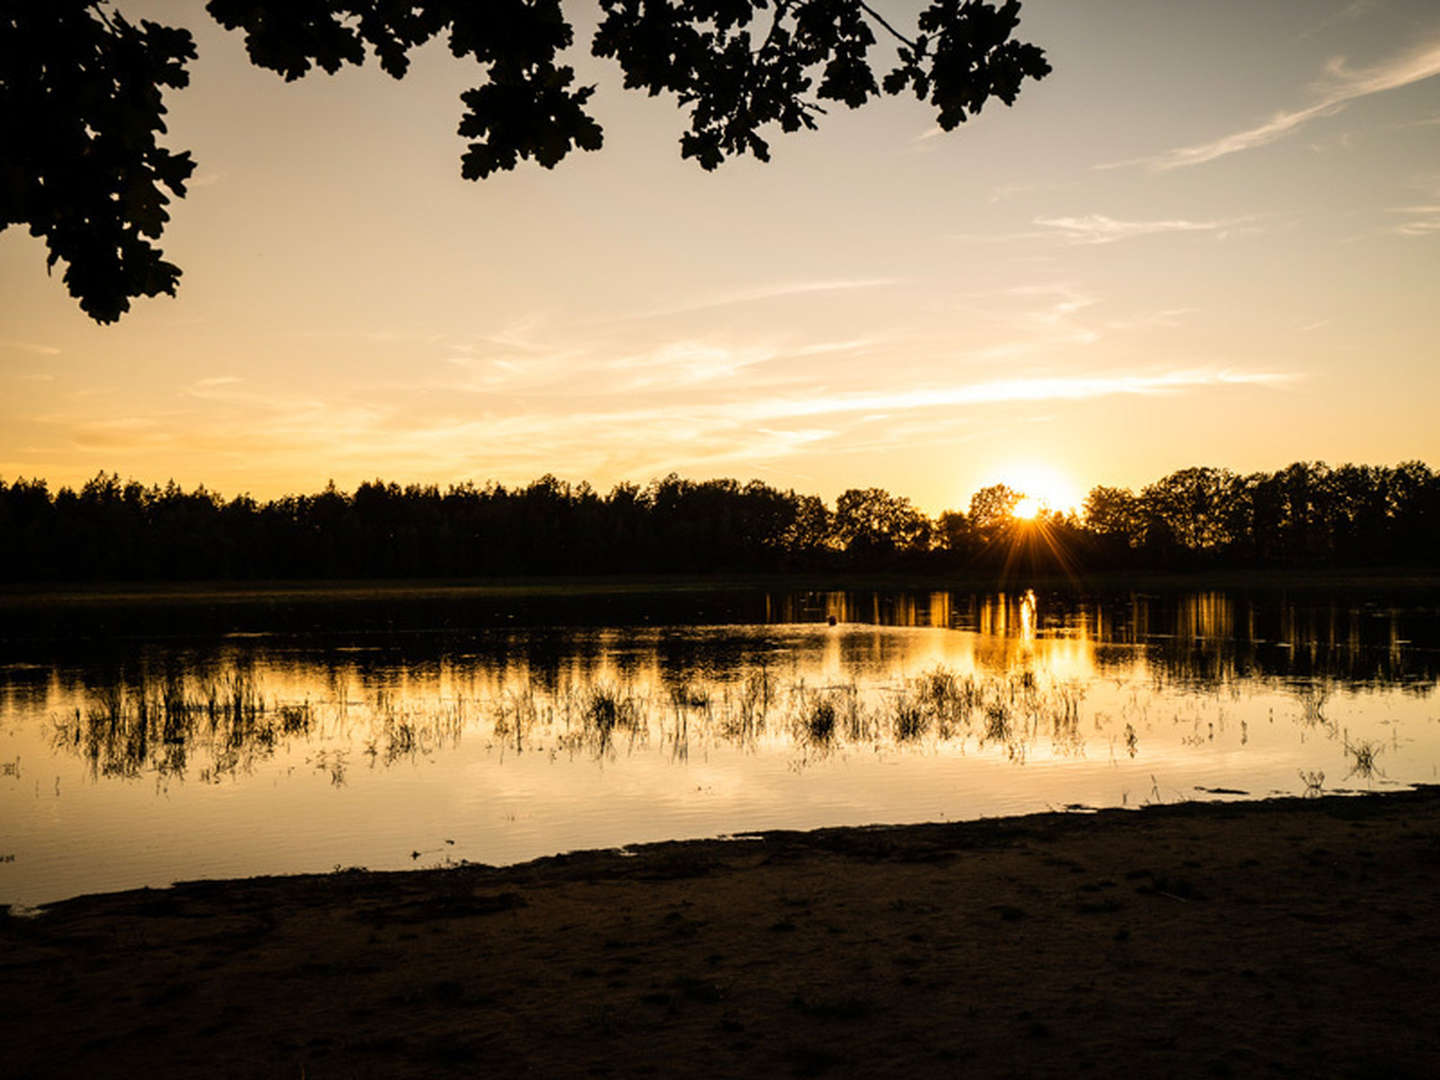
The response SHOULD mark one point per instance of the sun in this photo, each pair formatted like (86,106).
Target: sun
(1027,508)
(1042,487)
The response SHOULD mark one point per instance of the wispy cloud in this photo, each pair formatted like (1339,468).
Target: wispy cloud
(1424,220)
(1055,318)
(1004,192)
(1167,318)
(1090,229)
(760,293)
(687,362)
(216,388)
(658,435)
(1039,388)
(632,435)
(1346,13)
(1099,229)
(1333,94)
(30,347)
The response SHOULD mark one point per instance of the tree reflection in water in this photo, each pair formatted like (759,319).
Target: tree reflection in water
(819,675)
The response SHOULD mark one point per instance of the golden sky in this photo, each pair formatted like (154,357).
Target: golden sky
(1211,236)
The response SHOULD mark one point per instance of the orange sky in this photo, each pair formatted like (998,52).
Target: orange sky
(1211,236)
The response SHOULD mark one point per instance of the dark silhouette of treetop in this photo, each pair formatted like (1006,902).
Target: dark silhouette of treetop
(80,107)
(1306,515)
(81,92)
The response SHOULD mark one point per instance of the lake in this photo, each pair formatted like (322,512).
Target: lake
(147,738)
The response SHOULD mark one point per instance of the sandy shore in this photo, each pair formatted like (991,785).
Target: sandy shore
(1292,938)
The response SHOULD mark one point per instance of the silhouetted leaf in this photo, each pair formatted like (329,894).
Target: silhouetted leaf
(81,92)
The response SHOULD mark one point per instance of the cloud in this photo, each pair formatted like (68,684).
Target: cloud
(1055,319)
(1099,229)
(1424,220)
(121,433)
(653,436)
(1032,389)
(215,388)
(686,362)
(1091,229)
(1334,93)
(1168,318)
(30,347)
(1003,192)
(764,292)
(826,348)
(1351,11)
(431,434)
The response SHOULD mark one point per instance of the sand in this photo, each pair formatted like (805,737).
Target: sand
(1290,937)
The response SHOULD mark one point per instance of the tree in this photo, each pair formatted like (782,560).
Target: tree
(954,533)
(1193,506)
(1115,514)
(872,523)
(81,93)
(992,511)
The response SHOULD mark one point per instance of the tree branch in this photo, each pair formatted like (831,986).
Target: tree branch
(98,5)
(881,20)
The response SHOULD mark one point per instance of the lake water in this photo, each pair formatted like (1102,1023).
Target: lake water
(145,739)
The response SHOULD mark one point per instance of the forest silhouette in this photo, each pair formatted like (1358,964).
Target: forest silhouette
(1307,515)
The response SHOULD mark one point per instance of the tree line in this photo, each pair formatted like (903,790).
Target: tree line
(1306,515)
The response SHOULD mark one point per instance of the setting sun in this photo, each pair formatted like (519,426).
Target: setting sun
(1027,508)
(1042,487)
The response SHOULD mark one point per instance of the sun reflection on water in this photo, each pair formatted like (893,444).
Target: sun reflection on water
(255,755)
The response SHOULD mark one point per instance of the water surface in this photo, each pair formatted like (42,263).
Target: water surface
(145,740)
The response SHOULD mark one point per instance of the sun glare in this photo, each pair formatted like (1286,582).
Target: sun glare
(1043,486)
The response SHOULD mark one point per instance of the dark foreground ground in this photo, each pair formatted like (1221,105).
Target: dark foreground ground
(1287,938)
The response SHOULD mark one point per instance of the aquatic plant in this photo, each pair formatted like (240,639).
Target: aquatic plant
(818,720)
(1362,757)
(909,718)
(221,724)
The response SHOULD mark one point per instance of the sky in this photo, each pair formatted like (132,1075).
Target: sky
(1210,237)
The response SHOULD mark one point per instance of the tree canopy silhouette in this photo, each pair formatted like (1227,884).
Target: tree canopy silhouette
(1307,515)
(81,93)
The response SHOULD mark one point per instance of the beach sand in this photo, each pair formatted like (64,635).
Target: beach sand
(1290,938)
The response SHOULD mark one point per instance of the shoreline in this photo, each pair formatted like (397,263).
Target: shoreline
(1282,936)
(22,594)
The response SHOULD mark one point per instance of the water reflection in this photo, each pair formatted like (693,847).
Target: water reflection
(191,753)
(803,691)
(1206,636)
(223,728)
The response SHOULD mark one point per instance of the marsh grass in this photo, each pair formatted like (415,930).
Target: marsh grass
(1313,698)
(127,728)
(222,725)
(1362,756)
(130,727)
(909,720)
(599,716)
(817,718)
(743,714)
